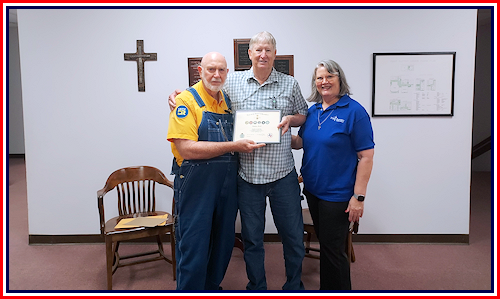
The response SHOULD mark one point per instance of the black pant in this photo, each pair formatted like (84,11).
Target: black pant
(331,224)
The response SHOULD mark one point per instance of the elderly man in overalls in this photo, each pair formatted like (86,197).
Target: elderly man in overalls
(205,167)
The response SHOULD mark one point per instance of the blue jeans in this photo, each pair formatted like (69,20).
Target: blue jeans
(284,199)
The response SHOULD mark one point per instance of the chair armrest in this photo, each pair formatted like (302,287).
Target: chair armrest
(100,207)
(355,227)
(102,192)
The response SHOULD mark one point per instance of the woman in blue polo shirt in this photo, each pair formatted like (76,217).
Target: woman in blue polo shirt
(337,139)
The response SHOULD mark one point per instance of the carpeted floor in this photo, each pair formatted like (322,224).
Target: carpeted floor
(378,267)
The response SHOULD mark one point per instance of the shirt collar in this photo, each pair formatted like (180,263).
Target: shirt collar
(273,77)
(342,102)
(208,98)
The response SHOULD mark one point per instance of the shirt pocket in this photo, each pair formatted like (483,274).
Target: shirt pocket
(214,131)
(284,104)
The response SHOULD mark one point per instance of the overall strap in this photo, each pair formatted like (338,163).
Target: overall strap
(228,102)
(200,101)
(196,97)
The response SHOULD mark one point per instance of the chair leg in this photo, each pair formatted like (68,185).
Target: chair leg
(353,256)
(115,250)
(109,263)
(160,247)
(308,241)
(239,244)
(172,247)
(162,253)
(116,257)
(350,248)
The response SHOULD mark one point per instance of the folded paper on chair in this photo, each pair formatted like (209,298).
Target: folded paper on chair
(149,221)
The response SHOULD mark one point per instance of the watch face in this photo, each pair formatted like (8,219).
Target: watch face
(361,198)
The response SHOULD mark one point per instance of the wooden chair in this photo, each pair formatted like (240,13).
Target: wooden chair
(135,188)
(309,230)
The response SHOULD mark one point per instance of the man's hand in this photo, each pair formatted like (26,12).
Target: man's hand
(247,146)
(296,142)
(171,99)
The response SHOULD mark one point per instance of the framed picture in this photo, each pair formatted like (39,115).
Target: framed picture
(241,60)
(194,75)
(413,84)
(284,64)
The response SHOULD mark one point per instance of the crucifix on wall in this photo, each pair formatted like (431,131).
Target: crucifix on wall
(140,57)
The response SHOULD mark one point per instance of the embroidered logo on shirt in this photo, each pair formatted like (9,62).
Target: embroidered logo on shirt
(181,111)
(339,120)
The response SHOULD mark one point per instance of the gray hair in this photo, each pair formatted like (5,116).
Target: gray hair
(333,68)
(263,37)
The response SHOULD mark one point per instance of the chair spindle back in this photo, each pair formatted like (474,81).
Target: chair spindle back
(136,197)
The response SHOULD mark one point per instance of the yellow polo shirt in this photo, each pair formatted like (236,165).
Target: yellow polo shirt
(185,119)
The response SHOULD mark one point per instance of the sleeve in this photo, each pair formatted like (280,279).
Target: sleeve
(362,133)
(301,131)
(182,122)
(303,127)
(300,105)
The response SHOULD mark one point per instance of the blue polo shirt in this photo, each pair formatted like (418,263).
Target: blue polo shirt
(330,156)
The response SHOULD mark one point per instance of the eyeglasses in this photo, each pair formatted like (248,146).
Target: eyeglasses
(329,77)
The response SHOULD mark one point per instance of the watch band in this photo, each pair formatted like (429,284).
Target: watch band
(359,197)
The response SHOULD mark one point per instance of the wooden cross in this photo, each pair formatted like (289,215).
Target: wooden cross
(140,57)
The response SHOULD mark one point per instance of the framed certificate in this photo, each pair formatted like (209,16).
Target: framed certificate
(260,126)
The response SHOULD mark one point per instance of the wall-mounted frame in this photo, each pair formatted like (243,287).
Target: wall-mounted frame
(241,60)
(413,84)
(284,64)
(194,75)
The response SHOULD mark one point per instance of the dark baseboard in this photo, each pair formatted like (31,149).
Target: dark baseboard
(402,238)
(17,156)
(82,239)
(394,238)
(360,238)
(64,239)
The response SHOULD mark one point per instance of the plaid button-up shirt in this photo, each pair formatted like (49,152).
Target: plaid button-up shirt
(280,91)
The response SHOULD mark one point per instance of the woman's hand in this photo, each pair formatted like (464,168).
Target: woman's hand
(355,209)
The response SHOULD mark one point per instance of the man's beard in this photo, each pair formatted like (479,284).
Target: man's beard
(210,86)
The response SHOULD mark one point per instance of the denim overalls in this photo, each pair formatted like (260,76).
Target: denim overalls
(205,207)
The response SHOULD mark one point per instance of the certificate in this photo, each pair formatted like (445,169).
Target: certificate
(257,125)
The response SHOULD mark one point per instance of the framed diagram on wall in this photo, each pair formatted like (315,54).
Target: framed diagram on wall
(413,84)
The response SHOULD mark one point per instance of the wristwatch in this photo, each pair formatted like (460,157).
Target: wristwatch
(359,197)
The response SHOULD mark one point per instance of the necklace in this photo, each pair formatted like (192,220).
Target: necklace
(320,123)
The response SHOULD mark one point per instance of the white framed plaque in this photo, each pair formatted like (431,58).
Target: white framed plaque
(260,126)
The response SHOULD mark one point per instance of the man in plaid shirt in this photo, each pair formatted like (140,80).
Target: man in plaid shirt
(269,171)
